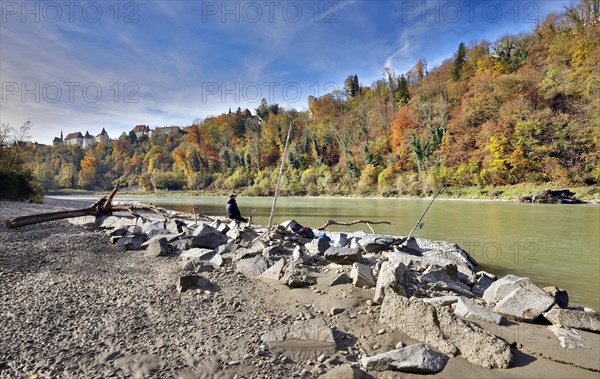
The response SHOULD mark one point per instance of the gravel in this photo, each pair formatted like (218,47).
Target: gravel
(73,306)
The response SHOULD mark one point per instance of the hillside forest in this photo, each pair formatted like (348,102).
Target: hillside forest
(522,109)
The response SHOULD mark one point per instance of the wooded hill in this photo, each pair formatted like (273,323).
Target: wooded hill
(522,109)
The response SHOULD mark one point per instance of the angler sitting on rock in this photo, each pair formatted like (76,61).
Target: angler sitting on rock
(233,212)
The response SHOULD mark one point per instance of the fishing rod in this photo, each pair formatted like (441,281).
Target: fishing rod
(440,190)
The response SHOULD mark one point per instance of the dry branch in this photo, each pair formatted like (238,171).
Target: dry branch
(347,223)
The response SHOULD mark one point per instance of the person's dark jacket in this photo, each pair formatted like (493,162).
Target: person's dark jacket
(233,212)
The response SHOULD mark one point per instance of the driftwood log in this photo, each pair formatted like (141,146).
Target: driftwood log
(101,207)
(347,223)
(104,207)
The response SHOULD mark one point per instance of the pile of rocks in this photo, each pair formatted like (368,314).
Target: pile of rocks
(564,196)
(428,290)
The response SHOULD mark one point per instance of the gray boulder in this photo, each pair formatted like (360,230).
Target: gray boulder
(317,246)
(154,228)
(295,275)
(274,272)
(239,235)
(376,243)
(441,258)
(249,252)
(157,247)
(484,281)
(196,253)
(207,237)
(220,226)
(362,275)
(466,308)
(418,359)
(252,267)
(443,330)
(505,285)
(182,244)
(343,255)
(393,276)
(524,304)
(176,226)
(115,222)
(131,242)
(447,274)
(275,251)
(574,319)
(299,256)
(339,239)
(342,278)
(410,246)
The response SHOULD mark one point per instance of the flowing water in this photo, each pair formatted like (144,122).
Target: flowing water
(551,244)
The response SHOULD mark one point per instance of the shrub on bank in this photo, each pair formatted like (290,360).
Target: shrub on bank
(20,186)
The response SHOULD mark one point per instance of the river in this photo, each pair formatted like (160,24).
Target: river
(555,245)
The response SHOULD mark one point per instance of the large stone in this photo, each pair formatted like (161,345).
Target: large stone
(393,276)
(299,256)
(418,358)
(339,239)
(317,246)
(275,251)
(343,255)
(187,282)
(447,274)
(410,246)
(442,258)
(560,295)
(448,248)
(574,319)
(249,252)
(311,336)
(524,304)
(295,275)
(154,228)
(445,331)
(342,278)
(239,236)
(274,272)
(376,243)
(466,308)
(196,253)
(208,237)
(157,247)
(505,285)
(362,275)
(115,222)
(176,226)
(252,267)
(220,226)
(484,281)
(131,242)
(182,244)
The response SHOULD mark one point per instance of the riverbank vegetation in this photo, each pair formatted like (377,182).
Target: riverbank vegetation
(17,181)
(520,111)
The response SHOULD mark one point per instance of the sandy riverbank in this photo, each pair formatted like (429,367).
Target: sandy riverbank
(74,305)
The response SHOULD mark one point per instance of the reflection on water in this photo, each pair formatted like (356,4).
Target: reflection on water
(552,244)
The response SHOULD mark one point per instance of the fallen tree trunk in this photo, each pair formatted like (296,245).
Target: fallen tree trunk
(347,223)
(101,207)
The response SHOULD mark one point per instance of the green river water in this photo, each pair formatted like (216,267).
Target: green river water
(551,244)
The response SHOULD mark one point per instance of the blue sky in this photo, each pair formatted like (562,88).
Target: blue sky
(84,66)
